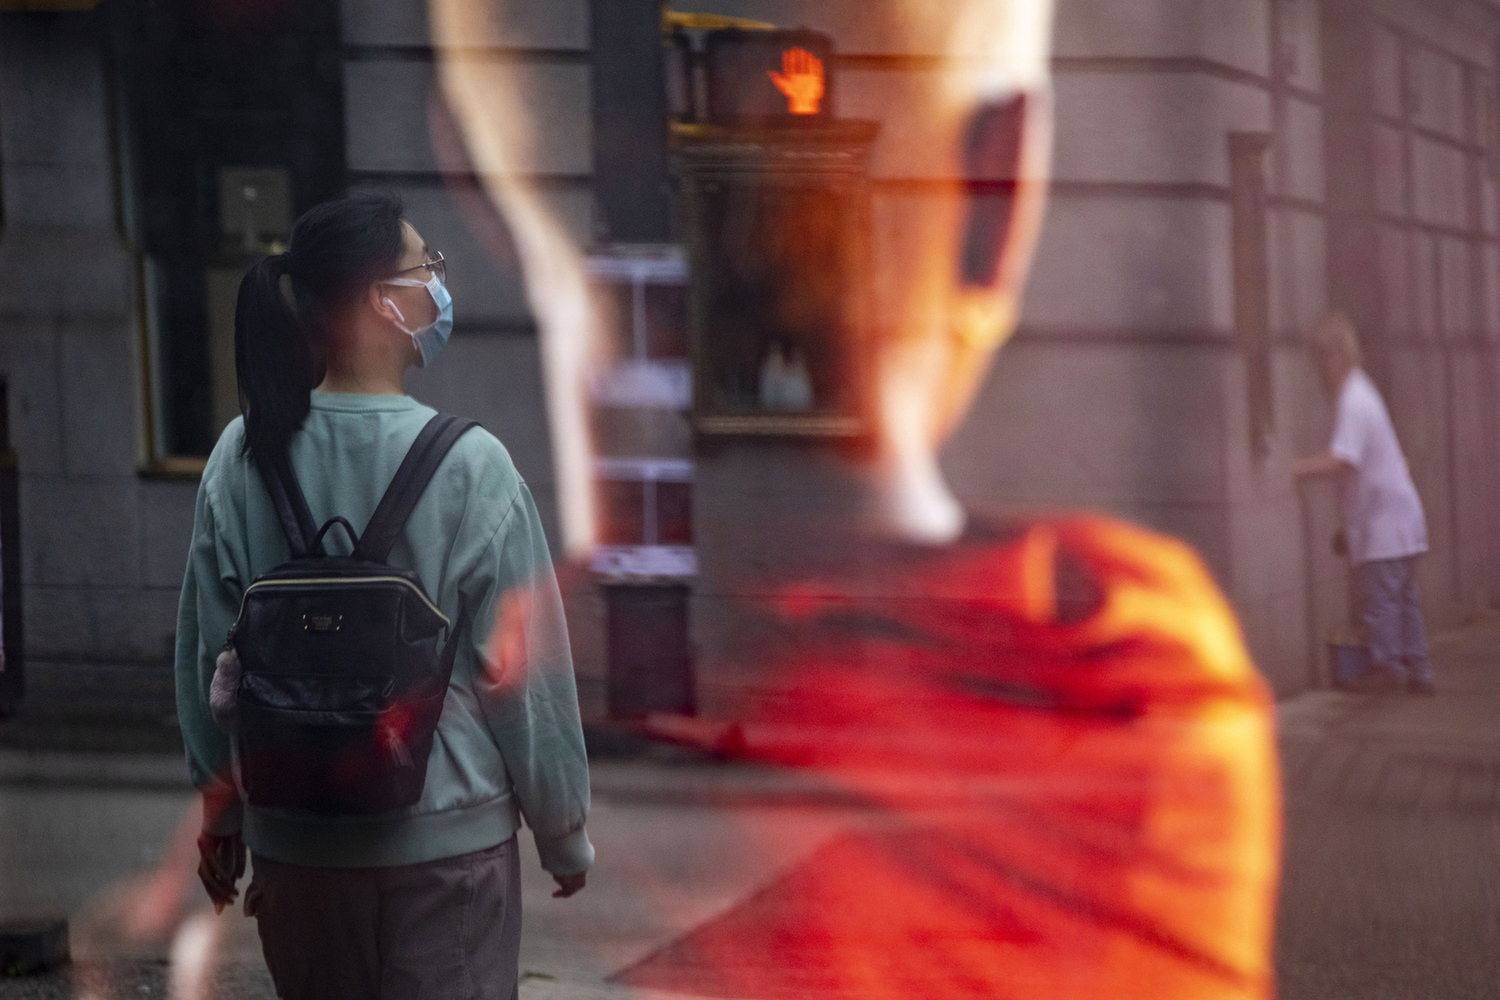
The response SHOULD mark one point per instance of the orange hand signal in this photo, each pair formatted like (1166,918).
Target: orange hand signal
(801,80)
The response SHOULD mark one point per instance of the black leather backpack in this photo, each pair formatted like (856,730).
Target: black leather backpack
(342,667)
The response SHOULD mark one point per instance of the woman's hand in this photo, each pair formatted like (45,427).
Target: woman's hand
(568,885)
(221,861)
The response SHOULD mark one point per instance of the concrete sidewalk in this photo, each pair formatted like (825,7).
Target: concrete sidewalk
(1391,887)
(1391,884)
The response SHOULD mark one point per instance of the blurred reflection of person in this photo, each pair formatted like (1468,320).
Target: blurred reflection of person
(1073,750)
(1385,530)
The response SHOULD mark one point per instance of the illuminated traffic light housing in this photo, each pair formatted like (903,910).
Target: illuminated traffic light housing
(770,78)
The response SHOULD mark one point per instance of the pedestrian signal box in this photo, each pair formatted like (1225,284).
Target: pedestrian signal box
(769,78)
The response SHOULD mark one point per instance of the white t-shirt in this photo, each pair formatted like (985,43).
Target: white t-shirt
(1382,512)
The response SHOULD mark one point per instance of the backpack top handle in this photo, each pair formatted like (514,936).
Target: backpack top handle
(348,528)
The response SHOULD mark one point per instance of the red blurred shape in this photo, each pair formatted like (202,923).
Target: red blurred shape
(700,734)
(1076,764)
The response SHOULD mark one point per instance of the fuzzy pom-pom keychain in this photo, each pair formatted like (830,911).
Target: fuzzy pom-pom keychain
(223,693)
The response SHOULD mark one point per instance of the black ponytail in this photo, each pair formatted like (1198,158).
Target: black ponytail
(336,249)
(273,360)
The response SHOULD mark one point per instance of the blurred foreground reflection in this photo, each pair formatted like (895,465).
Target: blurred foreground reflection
(1060,761)
(1054,722)
(1076,768)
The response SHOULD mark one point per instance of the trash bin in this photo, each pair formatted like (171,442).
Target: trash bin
(28,947)
(650,656)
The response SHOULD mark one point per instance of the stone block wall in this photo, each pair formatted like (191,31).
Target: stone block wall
(1427,82)
(103,550)
(492,370)
(1125,390)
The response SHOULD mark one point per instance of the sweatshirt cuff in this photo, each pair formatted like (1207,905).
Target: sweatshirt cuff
(223,812)
(566,855)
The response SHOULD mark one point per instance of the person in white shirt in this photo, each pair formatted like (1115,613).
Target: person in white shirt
(1384,525)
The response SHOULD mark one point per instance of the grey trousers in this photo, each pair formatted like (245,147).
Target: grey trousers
(1390,605)
(443,930)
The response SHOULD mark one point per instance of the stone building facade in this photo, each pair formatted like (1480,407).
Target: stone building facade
(1224,171)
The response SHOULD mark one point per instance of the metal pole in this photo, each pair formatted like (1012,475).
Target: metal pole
(12,675)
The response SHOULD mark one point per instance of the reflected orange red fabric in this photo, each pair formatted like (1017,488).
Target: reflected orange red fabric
(1074,768)
(506,648)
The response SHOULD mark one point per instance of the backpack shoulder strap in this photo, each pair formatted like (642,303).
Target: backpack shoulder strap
(291,506)
(416,470)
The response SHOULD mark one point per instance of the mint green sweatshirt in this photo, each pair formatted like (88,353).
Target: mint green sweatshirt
(508,744)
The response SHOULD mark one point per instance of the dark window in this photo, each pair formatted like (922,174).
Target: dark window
(1252,296)
(231,125)
(666,320)
(674,513)
(778,275)
(623,512)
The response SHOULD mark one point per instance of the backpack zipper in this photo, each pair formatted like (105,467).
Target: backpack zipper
(294,584)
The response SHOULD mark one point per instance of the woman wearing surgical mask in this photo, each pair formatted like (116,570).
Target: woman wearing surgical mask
(424,902)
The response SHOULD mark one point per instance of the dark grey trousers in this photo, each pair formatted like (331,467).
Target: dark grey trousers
(444,930)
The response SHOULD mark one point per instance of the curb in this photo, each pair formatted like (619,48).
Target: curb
(56,768)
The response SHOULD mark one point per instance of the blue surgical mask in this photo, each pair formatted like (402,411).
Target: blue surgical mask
(433,337)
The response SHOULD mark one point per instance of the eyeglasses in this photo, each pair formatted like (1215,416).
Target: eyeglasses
(436,267)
